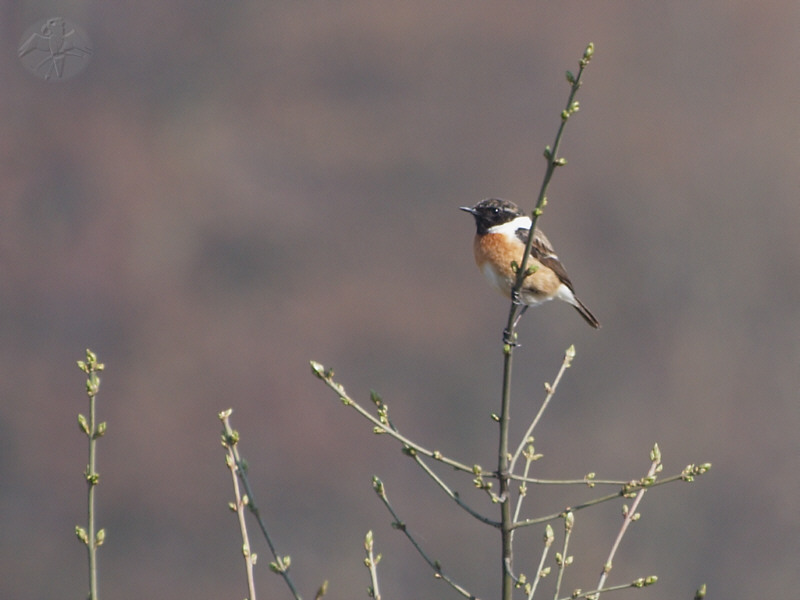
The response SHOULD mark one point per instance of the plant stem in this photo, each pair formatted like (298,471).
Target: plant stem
(504,458)
(92,484)
(380,490)
(281,564)
(239,503)
(506,519)
(91,536)
(630,516)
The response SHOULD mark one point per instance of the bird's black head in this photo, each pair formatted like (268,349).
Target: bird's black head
(491,212)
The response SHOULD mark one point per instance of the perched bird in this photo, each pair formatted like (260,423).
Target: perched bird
(500,240)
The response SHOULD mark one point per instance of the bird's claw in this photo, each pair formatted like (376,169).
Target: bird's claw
(510,338)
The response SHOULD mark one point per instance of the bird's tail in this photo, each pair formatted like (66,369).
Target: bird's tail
(586,314)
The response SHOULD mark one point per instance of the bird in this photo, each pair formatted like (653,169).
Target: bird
(500,239)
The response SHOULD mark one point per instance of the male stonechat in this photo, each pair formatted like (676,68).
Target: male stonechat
(502,233)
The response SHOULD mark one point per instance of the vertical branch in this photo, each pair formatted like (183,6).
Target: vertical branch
(563,560)
(630,514)
(542,572)
(281,564)
(504,458)
(229,442)
(371,562)
(90,536)
(551,155)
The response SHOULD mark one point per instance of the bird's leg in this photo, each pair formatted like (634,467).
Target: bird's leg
(509,335)
(519,316)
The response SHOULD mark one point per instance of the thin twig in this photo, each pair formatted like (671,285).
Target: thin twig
(637,583)
(371,563)
(281,563)
(229,442)
(326,375)
(569,355)
(93,430)
(380,489)
(630,515)
(383,417)
(454,495)
(563,560)
(553,162)
(688,474)
(588,480)
(541,572)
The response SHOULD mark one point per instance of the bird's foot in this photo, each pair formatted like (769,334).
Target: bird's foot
(510,338)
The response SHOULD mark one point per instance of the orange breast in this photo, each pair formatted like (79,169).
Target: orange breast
(494,253)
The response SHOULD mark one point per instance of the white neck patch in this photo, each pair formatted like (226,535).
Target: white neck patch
(511,227)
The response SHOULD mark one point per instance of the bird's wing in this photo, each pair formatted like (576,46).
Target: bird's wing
(542,250)
(35,42)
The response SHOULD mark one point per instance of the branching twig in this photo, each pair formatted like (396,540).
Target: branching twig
(326,375)
(506,461)
(230,439)
(636,583)
(629,489)
(383,417)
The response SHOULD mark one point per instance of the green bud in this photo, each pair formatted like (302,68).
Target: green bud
(569,521)
(655,453)
(549,536)
(317,369)
(83,424)
(81,533)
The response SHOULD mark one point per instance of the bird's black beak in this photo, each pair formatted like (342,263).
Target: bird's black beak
(468,209)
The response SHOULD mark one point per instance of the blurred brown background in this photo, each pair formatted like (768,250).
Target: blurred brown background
(233,188)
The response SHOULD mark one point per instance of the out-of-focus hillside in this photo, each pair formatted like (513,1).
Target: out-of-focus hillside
(232,189)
